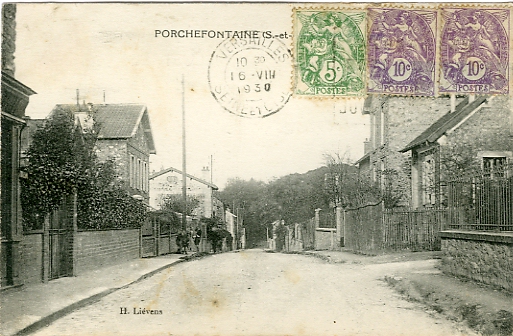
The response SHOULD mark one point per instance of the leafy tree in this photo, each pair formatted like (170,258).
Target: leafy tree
(255,207)
(53,165)
(175,203)
(168,220)
(61,162)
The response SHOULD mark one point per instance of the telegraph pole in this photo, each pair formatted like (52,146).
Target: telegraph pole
(184,168)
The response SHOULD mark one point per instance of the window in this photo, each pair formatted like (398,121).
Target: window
(428,180)
(138,175)
(492,166)
(144,176)
(132,171)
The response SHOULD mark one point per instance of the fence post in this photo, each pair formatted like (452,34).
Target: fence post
(74,244)
(317,218)
(339,226)
(46,248)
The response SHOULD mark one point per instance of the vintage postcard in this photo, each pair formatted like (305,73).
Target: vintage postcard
(256,169)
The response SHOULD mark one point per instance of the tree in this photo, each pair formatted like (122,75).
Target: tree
(61,162)
(175,203)
(345,186)
(255,206)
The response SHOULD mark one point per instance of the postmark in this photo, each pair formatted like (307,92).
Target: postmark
(402,51)
(475,51)
(250,77)
(329,52)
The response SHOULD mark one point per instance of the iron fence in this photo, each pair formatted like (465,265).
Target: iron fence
(482,200)
(327,219)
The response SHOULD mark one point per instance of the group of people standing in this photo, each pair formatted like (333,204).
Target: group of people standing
(215,237)
(183,240)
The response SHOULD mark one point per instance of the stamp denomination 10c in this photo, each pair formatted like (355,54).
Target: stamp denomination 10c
(402,51)
(329,52)
(475,51)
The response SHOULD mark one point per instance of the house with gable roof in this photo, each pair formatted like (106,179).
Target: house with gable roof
(125,136)
(395,122)
(169,182)
(477,136)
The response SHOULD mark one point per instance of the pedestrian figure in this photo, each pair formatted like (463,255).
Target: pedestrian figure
(215,239)
(181,238)
(179,242)
(185,242)
(197,239)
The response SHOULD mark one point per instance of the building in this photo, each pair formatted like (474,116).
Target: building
(231,226)
(124,136)
(394,123)
(169,182)
(15,98)
(477,135)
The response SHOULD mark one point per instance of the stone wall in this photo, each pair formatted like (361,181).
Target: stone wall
(484,257)
(487,129)
(403,119)
(325,239)
(97,249)
(108,149)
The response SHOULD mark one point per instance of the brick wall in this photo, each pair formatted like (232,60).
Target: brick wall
(96,249)
(480,258)
(31,258)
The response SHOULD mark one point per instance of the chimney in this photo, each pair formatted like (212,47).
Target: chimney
(453,102)
(205,173)
(367,146)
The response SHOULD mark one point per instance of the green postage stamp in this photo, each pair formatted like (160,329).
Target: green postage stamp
(330,52)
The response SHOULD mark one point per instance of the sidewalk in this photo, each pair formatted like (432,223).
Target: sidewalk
(417,277)
(30,307)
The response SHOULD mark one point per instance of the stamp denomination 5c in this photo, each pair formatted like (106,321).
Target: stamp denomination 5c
(475,51)
(329,52)
(250,77)
(402,51)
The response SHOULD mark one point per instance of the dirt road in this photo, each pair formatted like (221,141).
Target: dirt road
(256,293)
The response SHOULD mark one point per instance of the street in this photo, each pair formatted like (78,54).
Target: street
(257,293)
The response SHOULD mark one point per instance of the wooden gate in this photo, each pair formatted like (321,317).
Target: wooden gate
(60,235)
(149,238)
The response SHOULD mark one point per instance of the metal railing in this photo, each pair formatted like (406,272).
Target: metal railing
(482,200)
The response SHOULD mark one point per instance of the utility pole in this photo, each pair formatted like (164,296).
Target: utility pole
(184,165)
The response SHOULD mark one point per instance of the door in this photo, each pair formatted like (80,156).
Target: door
(61,240)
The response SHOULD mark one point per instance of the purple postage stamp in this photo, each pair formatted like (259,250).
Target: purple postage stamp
(402,51)
(474,51)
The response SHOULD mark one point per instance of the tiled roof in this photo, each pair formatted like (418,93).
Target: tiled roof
(174,170)
(119,121)
(445,123)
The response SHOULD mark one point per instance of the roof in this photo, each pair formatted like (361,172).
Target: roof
(174,170)
(445,123)
(365,156)
(120,121)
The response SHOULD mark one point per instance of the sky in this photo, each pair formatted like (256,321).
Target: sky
(112,48)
